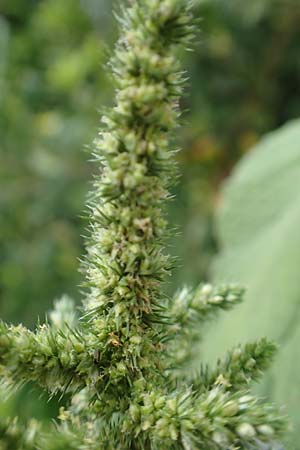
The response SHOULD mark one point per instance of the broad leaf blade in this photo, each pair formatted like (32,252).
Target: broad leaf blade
(259,230)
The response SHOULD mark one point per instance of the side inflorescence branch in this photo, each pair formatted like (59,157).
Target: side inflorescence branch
(214,419)
(15,436)
(241,366)
(55,359)
(190,309)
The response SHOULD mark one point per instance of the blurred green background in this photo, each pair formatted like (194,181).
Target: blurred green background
(244,81)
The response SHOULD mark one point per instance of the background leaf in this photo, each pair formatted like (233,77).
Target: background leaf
(258,224)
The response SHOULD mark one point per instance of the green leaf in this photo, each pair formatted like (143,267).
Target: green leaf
(259,230)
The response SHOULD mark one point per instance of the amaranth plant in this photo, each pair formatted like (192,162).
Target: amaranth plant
(121,364)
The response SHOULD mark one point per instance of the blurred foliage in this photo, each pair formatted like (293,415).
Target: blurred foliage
(258,225)
(51,83)
(244,79)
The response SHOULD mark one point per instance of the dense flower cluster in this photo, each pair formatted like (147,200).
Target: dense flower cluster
(123,360)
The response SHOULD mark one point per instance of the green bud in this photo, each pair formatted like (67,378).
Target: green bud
(134,412)
(246,431)
(160,402)
(265,430)
(172,404)
(162,427)
(136,339)
(219,438)
(173,432)
(250,364)
(147,424)
(236,354)
(230,408)
(206,289)
(216,299)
